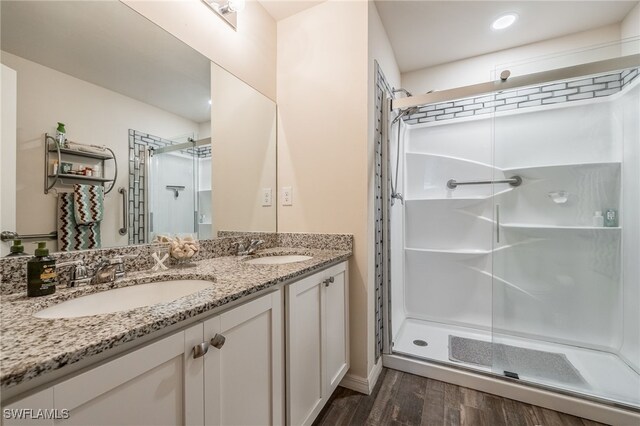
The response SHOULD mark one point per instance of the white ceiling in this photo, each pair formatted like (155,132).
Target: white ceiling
(108,44)
(428,33)
(279,9)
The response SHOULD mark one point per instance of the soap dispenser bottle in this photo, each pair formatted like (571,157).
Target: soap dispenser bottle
(41,273)
(17,249)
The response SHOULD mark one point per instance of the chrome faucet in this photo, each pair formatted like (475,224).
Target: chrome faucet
(106,271)
(243,250)
(79,275)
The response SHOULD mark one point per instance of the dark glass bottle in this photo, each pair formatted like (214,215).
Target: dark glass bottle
(41,273)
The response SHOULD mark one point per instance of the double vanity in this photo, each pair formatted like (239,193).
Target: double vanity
(259,339)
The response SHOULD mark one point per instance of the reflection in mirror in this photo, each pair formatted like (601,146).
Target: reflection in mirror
(135,146)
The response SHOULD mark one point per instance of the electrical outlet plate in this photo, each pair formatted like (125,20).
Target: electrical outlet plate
(287,196)
(266,197)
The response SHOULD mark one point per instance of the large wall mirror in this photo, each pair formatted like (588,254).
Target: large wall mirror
(155,139)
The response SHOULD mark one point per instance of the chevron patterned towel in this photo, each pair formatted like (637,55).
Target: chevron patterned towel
(88,203)
(71,235)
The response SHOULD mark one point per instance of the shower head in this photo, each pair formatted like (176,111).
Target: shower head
(404,112)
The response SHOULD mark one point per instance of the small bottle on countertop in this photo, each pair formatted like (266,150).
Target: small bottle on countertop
(41,272)
(610,218)
(598,220)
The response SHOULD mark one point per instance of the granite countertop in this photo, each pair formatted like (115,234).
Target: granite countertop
(31,347)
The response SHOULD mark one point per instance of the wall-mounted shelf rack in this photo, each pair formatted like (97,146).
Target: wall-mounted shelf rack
(51,180)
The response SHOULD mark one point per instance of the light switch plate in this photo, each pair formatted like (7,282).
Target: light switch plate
(266,197)
(287,196)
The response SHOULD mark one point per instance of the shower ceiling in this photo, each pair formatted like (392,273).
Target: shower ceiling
(428,33)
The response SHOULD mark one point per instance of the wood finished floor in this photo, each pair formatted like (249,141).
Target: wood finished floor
(405,399)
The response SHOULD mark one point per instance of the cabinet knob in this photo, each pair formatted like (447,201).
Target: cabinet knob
(328,281)
(218,341)
(200,350)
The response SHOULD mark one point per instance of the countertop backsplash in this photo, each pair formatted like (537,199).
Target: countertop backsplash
(13,269)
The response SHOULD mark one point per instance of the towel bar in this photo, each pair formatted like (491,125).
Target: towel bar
(9,235)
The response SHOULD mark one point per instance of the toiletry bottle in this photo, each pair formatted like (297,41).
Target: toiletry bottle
(17,249)
(41,273)
(610,218)
(61,135)
(598,220)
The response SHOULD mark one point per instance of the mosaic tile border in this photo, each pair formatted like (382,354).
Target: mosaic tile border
(554,93)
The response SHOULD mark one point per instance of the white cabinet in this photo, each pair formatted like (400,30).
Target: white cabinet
(146,386)
(317,341)
(244,367)
(236,378)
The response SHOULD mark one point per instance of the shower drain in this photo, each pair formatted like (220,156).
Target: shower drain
(419,342)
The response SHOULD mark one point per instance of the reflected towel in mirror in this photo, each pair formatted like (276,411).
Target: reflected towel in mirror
(88,203)
(71,235)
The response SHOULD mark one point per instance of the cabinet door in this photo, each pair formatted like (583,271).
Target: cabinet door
(336,317)
(305,363)
(26,410)
(146,386)
(243,370)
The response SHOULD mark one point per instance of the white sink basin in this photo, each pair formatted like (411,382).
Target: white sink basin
(124,299)
(278,260)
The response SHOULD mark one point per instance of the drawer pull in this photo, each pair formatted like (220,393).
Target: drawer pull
(218,341)
(328,281)
(200,350)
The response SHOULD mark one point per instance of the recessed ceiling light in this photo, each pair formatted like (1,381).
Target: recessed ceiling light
(504,21)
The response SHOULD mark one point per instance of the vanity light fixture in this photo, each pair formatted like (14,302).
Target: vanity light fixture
(227,10)
(504,21)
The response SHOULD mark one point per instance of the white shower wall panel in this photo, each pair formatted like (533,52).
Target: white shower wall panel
(578,132)
(449,288)
(446,225)
(466,139)
(559,285)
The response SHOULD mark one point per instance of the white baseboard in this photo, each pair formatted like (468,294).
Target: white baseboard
(362,384)
(555,401)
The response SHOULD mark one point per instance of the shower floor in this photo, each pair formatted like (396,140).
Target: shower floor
(606,375)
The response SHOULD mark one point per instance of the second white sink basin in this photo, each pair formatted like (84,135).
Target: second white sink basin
(123,299)
(278,260)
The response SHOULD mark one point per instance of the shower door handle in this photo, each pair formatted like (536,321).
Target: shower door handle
(125,215)
(497,223)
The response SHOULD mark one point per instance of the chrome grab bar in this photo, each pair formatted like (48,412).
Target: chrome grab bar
(513,181)
(125,214)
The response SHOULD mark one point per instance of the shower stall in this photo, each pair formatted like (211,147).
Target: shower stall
(514,230)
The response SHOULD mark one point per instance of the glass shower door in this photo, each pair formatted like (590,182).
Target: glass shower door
(173,190)
(560,316)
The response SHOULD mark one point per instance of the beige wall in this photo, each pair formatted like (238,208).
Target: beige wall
(8,112)
(93,115)
(322,140)
(480,69)
(243,146)
(249,53)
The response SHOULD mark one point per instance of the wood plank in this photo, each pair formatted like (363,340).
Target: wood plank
(433,409)
(403,399)
(493,412)
(365,406)
(384,400)
(410,400)
(452,398)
